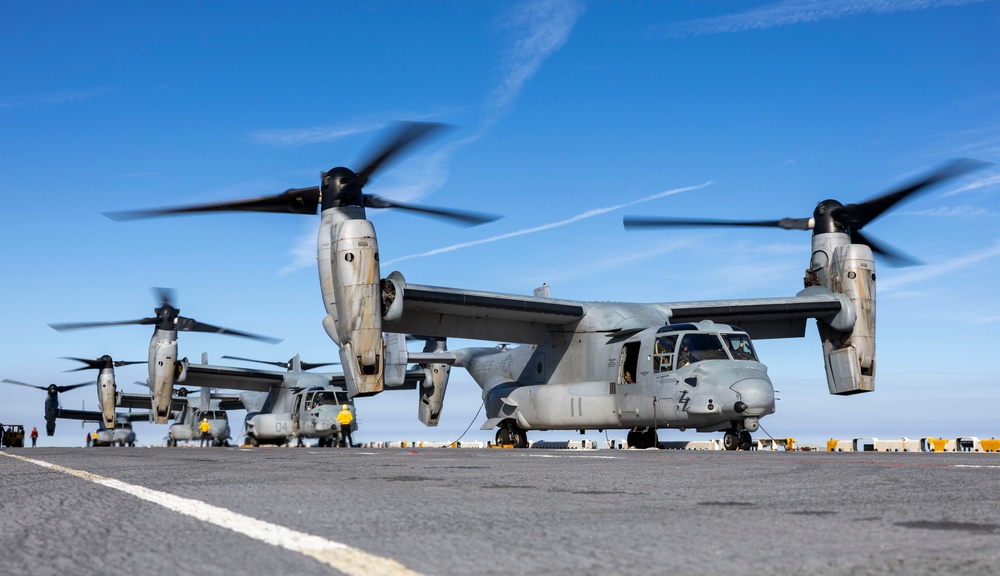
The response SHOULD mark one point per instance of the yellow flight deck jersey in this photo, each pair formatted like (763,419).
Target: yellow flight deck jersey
(345,417)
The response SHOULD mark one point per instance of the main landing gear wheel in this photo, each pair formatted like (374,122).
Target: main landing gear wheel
(503,437)
(731,441)
(519,438)
(642,438)
(737,439)
(511,435)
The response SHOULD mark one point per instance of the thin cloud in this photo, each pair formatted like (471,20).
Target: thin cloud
(986,182)
(303,253)
(549,226)
(798,12)
(931,271)
(960,211)
(541,28)
(313,135)
(54,98)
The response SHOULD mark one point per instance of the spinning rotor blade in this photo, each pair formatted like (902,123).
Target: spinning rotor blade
(892,256)
(192,325)
(291,201)
(406,135)
(59,389)
(102,362)
(339,186)
(168,318)
(654,222)
(79,325)
(832,216)
(856,216)
(460,216)
(288,364)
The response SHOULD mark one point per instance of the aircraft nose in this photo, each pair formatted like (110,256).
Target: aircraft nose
(756,397)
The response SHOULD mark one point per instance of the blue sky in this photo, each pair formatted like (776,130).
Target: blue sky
(565,117)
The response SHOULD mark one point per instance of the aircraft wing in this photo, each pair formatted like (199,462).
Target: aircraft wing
(456,313)
(85,415)
(258,380)
(141,401)
(762,318)
(232,378)
(134,416)
(227,402)
(93,416)
(144,402)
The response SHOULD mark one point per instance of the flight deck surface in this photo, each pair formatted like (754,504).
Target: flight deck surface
(466,511)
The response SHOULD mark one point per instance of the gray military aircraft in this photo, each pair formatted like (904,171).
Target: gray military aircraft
(286,406)
(590,365)
(188,414)
(302,406)
(347,252)
(107,391)
(120,432)
(165,369)
(52,406)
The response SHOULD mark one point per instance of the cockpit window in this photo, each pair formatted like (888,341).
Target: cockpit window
(663,353)
(325,397)
(698,347)
(739,346)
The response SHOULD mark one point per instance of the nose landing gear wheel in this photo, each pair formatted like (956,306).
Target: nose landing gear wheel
(737,439)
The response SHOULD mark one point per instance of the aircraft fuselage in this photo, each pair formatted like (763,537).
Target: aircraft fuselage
(704,376)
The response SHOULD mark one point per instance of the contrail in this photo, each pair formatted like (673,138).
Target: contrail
(549,226)
(797,12)
(930,271)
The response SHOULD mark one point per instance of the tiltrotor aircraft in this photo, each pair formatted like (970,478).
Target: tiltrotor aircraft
(52,407)
(165,369)
(590,365)
(107,391)
(291,405)
(187,414)
(347,253)
(120,432)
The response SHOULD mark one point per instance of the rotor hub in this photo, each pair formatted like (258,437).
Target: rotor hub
(340,186)
(824,218)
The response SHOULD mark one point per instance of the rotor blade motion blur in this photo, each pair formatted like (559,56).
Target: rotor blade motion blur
(830,216)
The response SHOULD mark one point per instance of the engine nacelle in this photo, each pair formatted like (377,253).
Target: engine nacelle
(107,395)
(849,355)
(434,386)
(162,371)
(51,411)
(349,278)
